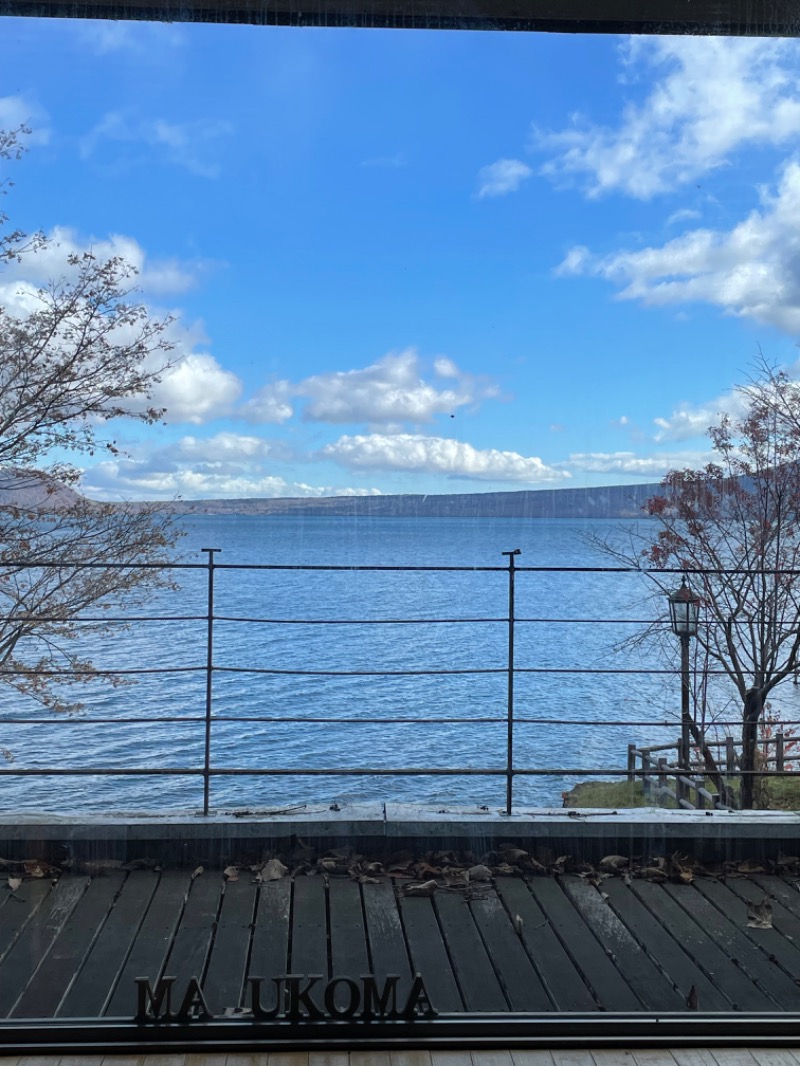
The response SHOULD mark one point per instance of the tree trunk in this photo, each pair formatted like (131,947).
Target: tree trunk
(753,708)
(712,770)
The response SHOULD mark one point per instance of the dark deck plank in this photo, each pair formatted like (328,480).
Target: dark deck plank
(782,890)
(51,981)
(18,911)
(192,941)
(152,942)
(652,987)
(522,985)
(736,985)
(387,943)
(783,919)
(480,988)
(89,992)
(349,954)
(776,949)
(557,970)
(269,953)
(309,944)
(36,939)
(658,943)
(607,983)
(738,946)
(223,985)
(428,952)
(69,948)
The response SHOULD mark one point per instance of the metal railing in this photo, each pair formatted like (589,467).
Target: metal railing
(211,669)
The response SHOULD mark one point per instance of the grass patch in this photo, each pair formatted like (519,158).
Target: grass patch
(774,794)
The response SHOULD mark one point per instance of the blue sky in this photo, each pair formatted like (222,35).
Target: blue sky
(407,261)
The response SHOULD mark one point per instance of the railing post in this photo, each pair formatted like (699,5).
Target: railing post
(730,755)
(209,678)
(510,691)
(779,751)
(631,764)
(646,782)
(661,769)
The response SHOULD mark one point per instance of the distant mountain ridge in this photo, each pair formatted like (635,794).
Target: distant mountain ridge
(31,489)
(614,501)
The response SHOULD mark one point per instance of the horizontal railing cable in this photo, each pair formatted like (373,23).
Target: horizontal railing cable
(59,720)
(223,661)
(299,719)
(361,771)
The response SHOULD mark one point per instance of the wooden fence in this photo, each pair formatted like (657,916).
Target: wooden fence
(663,779)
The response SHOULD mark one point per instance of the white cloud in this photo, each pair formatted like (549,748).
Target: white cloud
(504,176)
(437,455)
(752,270)
(196,389)
(49,263)
(193,145)
(270,404)
(225,465)
(694,420)
(223,447)
(713,96)
(132,480)
(628,463)
(16,111)
(391,391)
(684,214)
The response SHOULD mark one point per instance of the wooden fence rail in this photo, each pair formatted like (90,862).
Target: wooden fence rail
(664,778)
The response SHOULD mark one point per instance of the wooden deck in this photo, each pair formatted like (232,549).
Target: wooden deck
(72,948)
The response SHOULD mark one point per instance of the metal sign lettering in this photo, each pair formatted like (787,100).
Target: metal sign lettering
(294,997)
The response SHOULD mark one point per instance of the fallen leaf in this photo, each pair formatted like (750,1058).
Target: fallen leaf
(34,869)
(505,870)
(197,872)
(14,883)
(427,888)
(518,924)
(534,867)
(512,854)
(230,873)
(273,870)
(759,915)
(582,868)
(614,862)
(479,873)
(652,873)
(750,866)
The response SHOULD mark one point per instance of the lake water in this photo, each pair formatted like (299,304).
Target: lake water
(571,706)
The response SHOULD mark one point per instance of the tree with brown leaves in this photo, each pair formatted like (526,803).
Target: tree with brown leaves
(733,527)
(75,356)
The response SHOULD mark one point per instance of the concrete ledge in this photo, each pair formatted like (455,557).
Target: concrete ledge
(382,827)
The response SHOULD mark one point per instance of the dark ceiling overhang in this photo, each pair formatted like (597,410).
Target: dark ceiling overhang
(755,18)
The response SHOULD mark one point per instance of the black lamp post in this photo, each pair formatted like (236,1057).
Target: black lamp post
(684,610)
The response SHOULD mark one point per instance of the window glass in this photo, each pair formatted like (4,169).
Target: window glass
(398,479)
